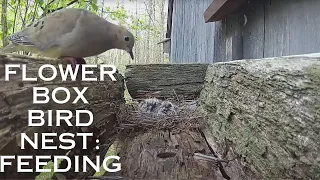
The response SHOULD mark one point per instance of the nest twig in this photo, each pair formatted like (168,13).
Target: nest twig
(160,115)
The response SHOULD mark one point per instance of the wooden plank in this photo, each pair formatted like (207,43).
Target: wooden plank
(220,43)
(213,9)
(235,34)
(253,31)
(228,39)
(277,22)
(220,9)
(165,80)
(188,19)
(292,28)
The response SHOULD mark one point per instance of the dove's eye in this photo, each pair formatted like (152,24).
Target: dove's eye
(126,38)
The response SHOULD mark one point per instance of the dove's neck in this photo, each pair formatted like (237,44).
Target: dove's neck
(110,35)
(117,37)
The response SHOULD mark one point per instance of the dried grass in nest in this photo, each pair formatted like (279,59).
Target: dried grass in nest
(155,114)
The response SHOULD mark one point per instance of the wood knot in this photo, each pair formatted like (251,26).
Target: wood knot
(166,155)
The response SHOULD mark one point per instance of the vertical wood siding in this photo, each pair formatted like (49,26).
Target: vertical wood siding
(274,28)
(192,40)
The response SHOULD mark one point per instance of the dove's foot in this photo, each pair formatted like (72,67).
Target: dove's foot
(74,61)
(80,60)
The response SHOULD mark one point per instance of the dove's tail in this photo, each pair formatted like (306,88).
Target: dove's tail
(9,48)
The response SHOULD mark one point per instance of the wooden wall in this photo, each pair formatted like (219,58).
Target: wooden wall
(192,40)
(274,28)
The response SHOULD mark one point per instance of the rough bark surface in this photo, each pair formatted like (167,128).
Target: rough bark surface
(266,114)
(166,155)
(165,80)
(16,96)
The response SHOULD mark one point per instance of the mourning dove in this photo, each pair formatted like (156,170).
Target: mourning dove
(71,34)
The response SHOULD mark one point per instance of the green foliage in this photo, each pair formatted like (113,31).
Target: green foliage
(40,2)
(118,14)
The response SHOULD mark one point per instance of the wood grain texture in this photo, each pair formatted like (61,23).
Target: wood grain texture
(165,80)
(16,99)
(228,39)
(274,28)
(253,31)
(166,155)
(292,27)
(192,40)
(266,113)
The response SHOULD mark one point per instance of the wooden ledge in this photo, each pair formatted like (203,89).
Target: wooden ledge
(220,9)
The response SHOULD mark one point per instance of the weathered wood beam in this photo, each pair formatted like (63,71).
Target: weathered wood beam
(16,95)
(220,9)
(165,80)
(266,114)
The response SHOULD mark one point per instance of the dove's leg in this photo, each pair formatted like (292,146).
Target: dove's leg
(71,60)
(74,61)
(80,60)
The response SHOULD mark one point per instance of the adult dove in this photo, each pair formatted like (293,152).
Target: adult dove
(71,34)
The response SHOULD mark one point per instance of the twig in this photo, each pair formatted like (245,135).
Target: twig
(50,2)
(69,4)
(25,15)
(4,24)
(15,16)
(209,158)
(44,8)
(221,168)
(34,12)
(53,10)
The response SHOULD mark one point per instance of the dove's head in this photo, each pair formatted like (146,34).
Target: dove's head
(125,41)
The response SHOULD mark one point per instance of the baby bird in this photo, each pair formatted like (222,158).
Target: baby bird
(71,34)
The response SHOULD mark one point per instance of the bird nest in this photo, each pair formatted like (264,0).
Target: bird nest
(155,114)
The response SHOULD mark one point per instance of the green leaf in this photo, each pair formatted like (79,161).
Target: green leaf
(13,2)
(9,24)
(94,7)
(40,2)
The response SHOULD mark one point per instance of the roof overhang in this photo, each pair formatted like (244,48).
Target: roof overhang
(219,9)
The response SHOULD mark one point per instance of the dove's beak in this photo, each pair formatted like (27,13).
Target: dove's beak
(131,54)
